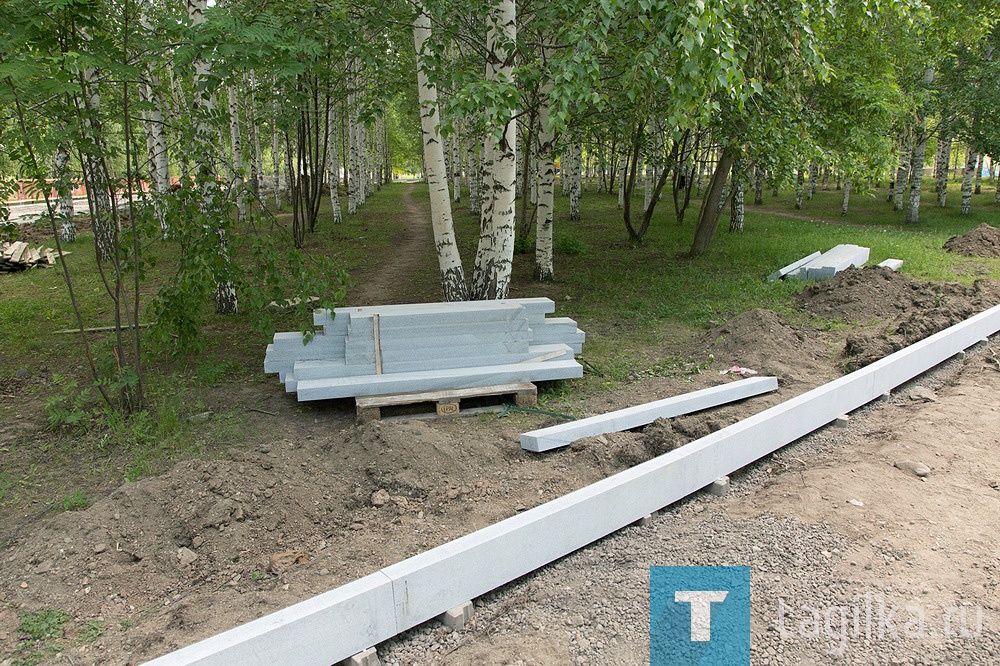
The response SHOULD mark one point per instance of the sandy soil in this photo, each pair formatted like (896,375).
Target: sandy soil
(315,500)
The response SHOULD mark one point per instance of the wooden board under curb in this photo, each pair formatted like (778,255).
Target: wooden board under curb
(447,402)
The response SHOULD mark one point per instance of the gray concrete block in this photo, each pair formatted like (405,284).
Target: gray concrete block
(793,267)
(892,264)
(633,417)
(457,617)
(645,521)
(833,261)
(719,487)
(367,657)
(842,421)
(410,382)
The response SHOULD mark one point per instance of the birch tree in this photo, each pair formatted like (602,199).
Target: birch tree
(495,253)
(449,260)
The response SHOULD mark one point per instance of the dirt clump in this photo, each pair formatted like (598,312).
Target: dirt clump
(865,294)
(953,303)
(982,241)
(763,341)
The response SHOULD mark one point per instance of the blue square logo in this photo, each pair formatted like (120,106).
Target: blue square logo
(699,616)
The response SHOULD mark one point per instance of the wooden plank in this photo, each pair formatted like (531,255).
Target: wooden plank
(99,329)
(434,396)
(378,345)
(564,434)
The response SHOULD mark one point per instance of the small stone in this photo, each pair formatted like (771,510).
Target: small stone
(855,502)
(24,586)
(22,374)
(923,394)
(203,417)
(100,548)
(197,542)
(915,468)
(380,497)
(186,556)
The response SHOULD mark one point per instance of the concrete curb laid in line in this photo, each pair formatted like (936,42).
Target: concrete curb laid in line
(792,267)
(335,625)
(640,415)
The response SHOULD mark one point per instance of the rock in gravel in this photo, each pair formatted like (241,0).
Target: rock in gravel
(100,548)
(923,394)
(855,502)
(186,556)
(220,513)
(915,468)
(380,497)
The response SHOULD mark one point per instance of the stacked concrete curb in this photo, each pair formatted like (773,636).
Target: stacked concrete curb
(380,350)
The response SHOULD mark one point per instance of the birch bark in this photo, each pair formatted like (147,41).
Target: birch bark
(967,178)
(546,199)
(449,261)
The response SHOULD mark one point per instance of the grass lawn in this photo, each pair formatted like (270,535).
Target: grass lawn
(639,304)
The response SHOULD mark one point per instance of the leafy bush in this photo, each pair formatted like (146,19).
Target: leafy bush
(569,244)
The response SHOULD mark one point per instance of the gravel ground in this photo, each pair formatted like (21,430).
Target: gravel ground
(811,602)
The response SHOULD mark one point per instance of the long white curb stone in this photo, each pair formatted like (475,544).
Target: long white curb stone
(833,261)
(565,434)
(406,382)
(339,623)
(792,267)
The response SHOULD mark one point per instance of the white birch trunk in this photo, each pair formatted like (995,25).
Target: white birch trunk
(255,164)
(333,164)
(456,168)
(546,182)
(472,173)
(941,169)
(354,188)
(967,178)
(576,180)
(64,188)
(978,189)
(737,211)
(236,144)
(621,182)
(102,211)
(276,157)
(449,260)
(494,257)
(799,181)
(204,105)
(902,171)
(917,175)
(847,195)
(813,177)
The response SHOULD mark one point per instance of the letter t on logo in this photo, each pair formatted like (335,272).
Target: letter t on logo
(701,610)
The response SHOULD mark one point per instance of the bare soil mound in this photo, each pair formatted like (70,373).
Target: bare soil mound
(866,294)
(952,303)
(983,241)
(763,341)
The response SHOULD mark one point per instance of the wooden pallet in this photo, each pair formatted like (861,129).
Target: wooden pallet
(447,402)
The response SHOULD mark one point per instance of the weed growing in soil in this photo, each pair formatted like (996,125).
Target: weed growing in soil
(91,631)
(75,502)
